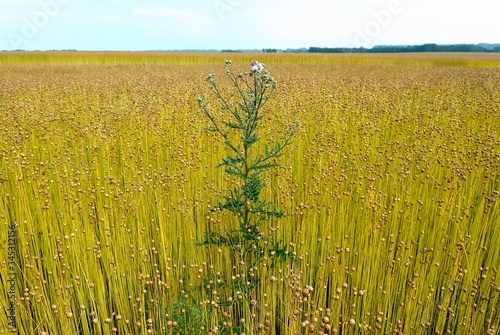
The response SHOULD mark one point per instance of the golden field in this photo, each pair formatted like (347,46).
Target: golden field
(390,191)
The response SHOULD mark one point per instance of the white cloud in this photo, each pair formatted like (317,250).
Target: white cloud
(107,18)
(186,20)
(167,12)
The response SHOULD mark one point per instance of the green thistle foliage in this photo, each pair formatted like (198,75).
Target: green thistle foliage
(252,90)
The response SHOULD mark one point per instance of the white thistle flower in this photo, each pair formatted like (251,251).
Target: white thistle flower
(256,66)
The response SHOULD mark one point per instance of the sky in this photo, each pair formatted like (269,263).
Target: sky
(242,24)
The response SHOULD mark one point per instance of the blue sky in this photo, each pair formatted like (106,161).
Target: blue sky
(242,24)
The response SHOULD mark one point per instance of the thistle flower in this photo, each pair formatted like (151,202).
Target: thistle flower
(256,66)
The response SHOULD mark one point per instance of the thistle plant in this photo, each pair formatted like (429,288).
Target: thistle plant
(245,161)
(238,124)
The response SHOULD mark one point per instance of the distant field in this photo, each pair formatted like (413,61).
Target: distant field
(114,58)
(391,191)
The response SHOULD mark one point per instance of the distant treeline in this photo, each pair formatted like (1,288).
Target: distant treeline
(408,48)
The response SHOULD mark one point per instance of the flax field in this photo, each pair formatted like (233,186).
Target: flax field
(390,192)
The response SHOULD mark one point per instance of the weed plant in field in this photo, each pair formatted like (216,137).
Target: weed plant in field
(238,124)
